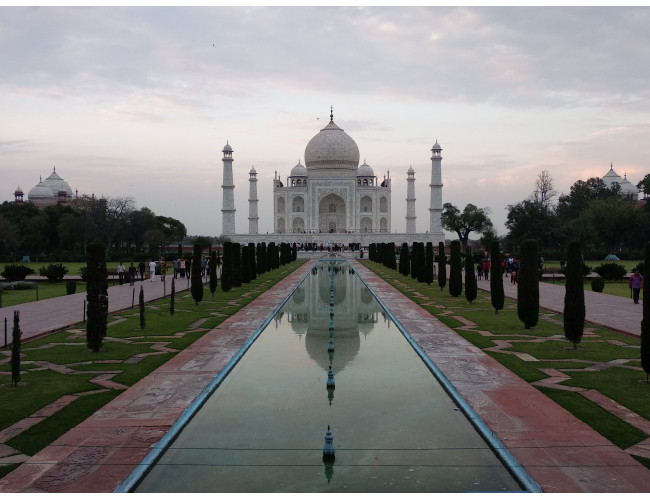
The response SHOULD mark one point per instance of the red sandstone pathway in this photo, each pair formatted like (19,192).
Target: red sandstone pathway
(560,452)
(59,313)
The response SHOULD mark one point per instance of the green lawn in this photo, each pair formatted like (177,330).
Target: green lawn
(128,353)
(625,383)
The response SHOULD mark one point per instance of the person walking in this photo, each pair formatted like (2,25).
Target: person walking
(636,284)
(152,269)
(120,272)
(142,268)
(175,266)
(132,274)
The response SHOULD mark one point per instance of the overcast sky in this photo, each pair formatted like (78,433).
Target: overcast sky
(140,101)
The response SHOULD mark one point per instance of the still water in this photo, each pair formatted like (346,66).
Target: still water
(395,429)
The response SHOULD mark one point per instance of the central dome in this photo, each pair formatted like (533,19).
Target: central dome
(332,149)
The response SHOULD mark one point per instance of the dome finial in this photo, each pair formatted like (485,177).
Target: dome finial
(331,113)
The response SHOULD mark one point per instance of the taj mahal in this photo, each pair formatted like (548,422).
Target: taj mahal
(332,199)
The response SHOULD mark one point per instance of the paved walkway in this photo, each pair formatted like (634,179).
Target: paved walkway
(51,315)
(618,313)
(561,453)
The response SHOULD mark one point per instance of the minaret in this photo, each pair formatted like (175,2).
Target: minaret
(228,188)
(252,202)
(410,201)
(435,208)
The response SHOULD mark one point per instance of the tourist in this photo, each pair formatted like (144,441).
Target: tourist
(562,265)
(188,262)
(636,284)
(132,274)
(120,273)
(175,266)
(163,269)
(181,267)
(514,267)
(486,268)
(152,269)
(142,268)
(479,270)
(204,265)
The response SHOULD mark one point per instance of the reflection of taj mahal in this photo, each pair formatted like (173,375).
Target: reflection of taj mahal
(308,313)
(333,199)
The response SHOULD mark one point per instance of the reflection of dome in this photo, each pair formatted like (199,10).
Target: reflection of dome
(332,149)
(299,171)
(365,170)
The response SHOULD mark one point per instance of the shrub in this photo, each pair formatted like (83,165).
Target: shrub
(54,272)
(528,285)
(574,297)
(70,287)
(16,272)
(84,273)
(611,271)
(19,285)
(497,295)
(641,267)
(471,288)
(442,266)
(597,284)
(455,270)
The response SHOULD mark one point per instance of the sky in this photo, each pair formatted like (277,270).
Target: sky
(141,101)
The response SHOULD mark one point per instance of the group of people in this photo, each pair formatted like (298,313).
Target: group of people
(483,269)
(132,272)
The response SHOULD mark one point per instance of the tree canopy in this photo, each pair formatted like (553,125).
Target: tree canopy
(471,219)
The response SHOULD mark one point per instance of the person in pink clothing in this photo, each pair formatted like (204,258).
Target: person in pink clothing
(636,284)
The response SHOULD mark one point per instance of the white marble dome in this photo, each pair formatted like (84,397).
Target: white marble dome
(40,191)
(299,171)
(365,170)
(332,149)
(57,184)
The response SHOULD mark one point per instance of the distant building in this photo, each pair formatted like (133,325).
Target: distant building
(51,191)
(627,188)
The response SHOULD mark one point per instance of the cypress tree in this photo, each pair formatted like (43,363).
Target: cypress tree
(265,258)
(420,262)
(428,263)
(471,288)
(294,253)
(236,264)
(442,266)
(16,342)
(197,282)
(497,294)
(213,272)
(252,264)
(172,297)
(455,270)
(414,260)
(391,263)
(226,267)
(143,321)
(245,265)
(96,296)
(404,260)
(645,321)
(528,284)
(574,296)
(260,259)
(283,254)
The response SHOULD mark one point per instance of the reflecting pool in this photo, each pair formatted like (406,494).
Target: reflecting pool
(394,428)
